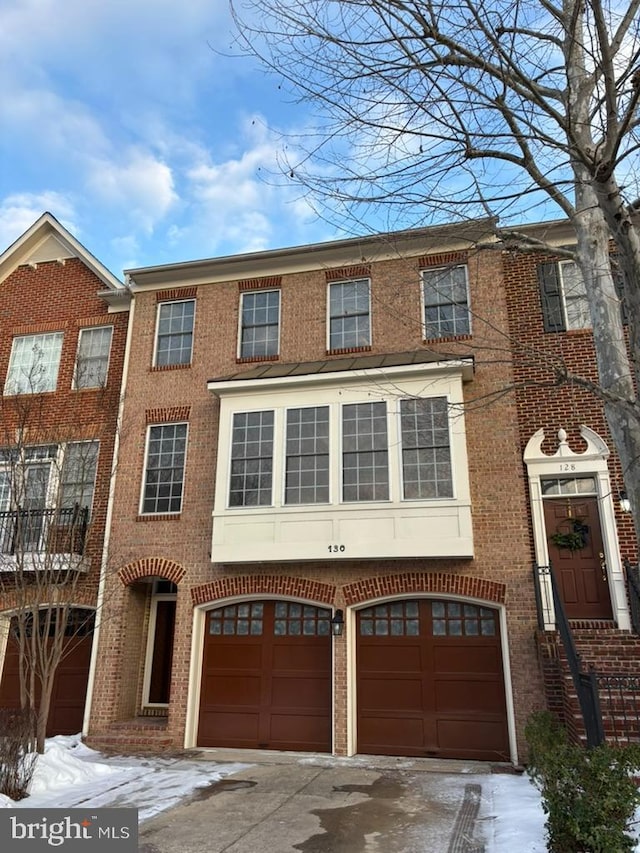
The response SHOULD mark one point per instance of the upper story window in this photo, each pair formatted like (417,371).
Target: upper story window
(251,459)
(259,324)
(563,296)
(353,441)
(445,295)
(349,314)
(92,360)
(34,363)
(174,337)
(164,469)
(426,452)
(307,456)
(78,474)
(365,455)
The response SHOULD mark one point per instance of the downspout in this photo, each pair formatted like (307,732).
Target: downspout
(107,529)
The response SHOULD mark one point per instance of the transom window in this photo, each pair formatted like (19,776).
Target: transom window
(34,363)
(365,455)
(164,474)
(92,360)
(260,324)
(349,314)
(307,456)
(426,454)
(251,459)
(174,339)
(553,486)
(446,302)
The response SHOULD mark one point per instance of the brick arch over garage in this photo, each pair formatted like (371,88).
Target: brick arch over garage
(151,567)
(270,585)
(410,583)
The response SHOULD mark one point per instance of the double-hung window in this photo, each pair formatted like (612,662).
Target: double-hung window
(164,470)
(563,296)
(307,456)
(34,363)
(365,454)
(446,302)
(426,451)
(259,324)
(251,482)
(349,314)
(174,337)
(78,474)
(92,360)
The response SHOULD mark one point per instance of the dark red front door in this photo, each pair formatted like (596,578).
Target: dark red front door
(580,572)
(266,677)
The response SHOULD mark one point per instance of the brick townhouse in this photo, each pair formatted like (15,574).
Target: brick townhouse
(319,537)
(63,322)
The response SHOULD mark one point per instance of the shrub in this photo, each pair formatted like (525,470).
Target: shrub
(588,795)
(17,751)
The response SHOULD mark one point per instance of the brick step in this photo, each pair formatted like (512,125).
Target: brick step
(139,734)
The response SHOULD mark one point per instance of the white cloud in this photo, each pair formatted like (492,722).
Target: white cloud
(18,212)
(141,186)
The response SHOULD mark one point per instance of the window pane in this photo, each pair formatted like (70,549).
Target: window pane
(175,332)
(165,468)
(365,468)
(92,360)
(33,368)
(78,475)
(307,458)
(426,454)
(446,303)
(251,459)
(349,322)
(575,296)
(260,315)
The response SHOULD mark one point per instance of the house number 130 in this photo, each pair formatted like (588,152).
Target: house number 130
(333,549)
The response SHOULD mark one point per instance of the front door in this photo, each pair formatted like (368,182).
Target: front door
(576,554)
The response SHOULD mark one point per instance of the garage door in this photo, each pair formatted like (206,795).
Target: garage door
(430,681)
(70,682)
(266,677)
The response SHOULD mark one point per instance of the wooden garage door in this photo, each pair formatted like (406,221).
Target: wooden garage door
(266,677)
(430,681)
(70,682)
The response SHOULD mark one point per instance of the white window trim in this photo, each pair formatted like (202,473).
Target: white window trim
(592,462)
(7,391)
(154,361)
(74,381)
(423,305)
(144,470)
(240,326)
(366,278)
(283,454)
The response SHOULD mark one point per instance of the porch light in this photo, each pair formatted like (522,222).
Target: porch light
(625,503)
(337,623)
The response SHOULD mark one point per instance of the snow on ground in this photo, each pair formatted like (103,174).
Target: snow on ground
(69,775)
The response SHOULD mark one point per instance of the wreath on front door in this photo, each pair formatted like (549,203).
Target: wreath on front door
(573,539)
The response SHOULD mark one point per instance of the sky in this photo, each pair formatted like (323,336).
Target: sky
(131,122)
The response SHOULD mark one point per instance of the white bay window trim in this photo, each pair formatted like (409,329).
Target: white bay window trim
(438,525)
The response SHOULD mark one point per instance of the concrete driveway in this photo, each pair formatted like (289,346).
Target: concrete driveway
(287,803)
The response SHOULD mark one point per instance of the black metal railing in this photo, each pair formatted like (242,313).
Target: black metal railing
(585,682)
(44,531)
(620,705)
(632,573)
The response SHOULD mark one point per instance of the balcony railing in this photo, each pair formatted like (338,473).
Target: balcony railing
(43,531)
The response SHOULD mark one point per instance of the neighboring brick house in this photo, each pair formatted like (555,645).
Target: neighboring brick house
(574,474)
(295,460)
(63,327)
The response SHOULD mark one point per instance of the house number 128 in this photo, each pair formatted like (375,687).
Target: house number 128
(333,549)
